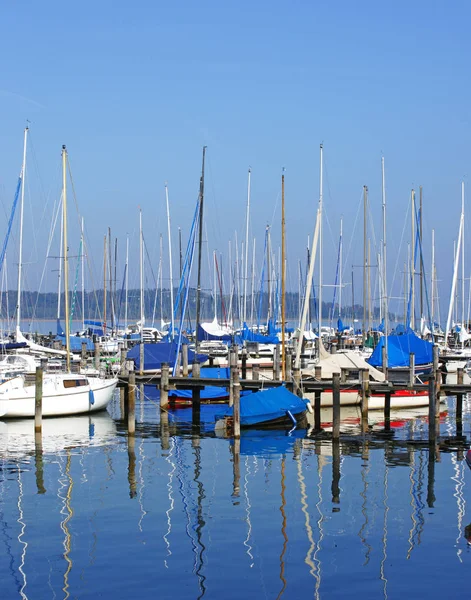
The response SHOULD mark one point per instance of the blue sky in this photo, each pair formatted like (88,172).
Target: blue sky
(136,89)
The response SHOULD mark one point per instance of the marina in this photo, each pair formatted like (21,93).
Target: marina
(277,514)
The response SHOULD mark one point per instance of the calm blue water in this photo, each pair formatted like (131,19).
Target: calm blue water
(182,516)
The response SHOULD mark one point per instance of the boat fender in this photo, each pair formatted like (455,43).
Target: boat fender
(91,397)
(290,415)
(309,407)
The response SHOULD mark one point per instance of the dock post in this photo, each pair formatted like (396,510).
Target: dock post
(196,397)
(132,403)
(38,462)
(435,361)
(365,393)
(185,360)
(236,385)
(276,363)
(387,411)
(384,363)
(335,406)
(343,375)
(256,372)
(164,377)
(297,382)
(83,356)
(232,370)
(432,393)
(122,362)
(38,401)
(288,363)
(459,404)
(411,369)
(318,373)
(244,363)
(317,410)
(97,355)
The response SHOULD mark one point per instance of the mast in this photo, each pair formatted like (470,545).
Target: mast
(283,277)
(432,307)
(321,201)
(59,277)
(384,265)
(268,272)
(462,263)
(141,277)
(127,286)
(365,257)
(420,262)
(104,284)
(246,265)
(215,287)
(200,241)
(66,258)
(455,273)
(181,267)
(20,253)
(340,267)
(253,284)
(110,272)
(412,261)
(369,284)
(170,262)
(83,277)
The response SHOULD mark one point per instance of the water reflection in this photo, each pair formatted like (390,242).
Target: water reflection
(274,514)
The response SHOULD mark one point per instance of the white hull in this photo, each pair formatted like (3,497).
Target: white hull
(403,400)
(18,400)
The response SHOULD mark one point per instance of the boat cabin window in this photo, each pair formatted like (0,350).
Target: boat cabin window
(71,383)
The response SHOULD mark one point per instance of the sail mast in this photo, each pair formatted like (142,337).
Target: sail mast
(170,262)
(283,277)
(200,241)
(127,286)
(384,278)
(412,262)
(321,201)
(365,281)
(20,254)
(83,277)
(66,258)
(246,265)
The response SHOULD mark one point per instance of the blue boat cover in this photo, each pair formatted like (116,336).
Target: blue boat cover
(251,336)
(266,405)
(161,352)
(399,348)
(75,342)
(340,326)
(209,392)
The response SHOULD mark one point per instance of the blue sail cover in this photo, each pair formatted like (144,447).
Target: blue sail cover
(75,342)
(266,405)
(340,326)
(251,336)
(161,352)
(399,348)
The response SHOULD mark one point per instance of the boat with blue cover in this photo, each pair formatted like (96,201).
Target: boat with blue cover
(275,408)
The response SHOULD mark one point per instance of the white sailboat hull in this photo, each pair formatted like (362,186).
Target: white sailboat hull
(18,399)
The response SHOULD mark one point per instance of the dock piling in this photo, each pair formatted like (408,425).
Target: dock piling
(132,403)
(236,385)
(196,397)
(38,401)
(244,363)
(336,406)
(83,355)
(387,411)
(185,360)
(97,355)
(164,377)
(256,372)
(276,363)
(317,410)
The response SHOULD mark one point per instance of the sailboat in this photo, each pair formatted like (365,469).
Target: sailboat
(63,393)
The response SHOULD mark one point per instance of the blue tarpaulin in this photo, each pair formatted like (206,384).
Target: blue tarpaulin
(76,342)
(399,348)
(209,392)
(162,352)
(266,405)
(205,336)
(251,336)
